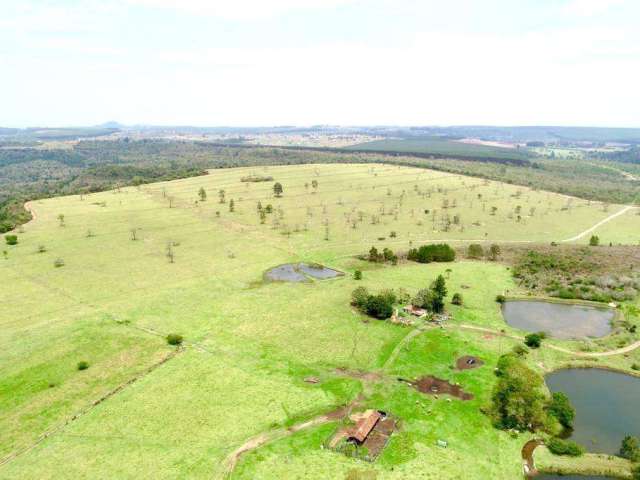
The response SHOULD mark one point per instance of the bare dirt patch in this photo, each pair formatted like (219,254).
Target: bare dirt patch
(468,362)
(436,386)
(359,374)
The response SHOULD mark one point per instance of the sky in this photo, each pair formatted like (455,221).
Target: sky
(307,62)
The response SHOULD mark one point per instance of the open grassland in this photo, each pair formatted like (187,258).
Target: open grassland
(250,344)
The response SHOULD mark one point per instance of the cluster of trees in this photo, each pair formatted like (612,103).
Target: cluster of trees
(386,255)
(256,178)
(437,252)
(378,306)
(519,402)
(432,299)
(476,251)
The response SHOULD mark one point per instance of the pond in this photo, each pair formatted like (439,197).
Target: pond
(300,272)
(606,404)
(565,321)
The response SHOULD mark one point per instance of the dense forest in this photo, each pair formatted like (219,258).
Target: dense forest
(92,165)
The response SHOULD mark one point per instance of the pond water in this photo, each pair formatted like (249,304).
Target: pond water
(300,272)
(560,320)
(606,406)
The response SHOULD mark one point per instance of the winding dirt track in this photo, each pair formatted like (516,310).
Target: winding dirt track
(263,438)
(600,223)
(608,353)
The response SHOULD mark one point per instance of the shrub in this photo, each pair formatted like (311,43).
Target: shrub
(533,340)
(561,408)
(174,339)
(558,446)
(83,365)
(437,252)
(42,249)
(456,299)
(517,399)
(520,350)
(594,241)
(475,250)
(357,275)
(11,239)
(635,366)
(378,306)
(501,299)
(58,262)
(630,448)
(359,297)
(636,473)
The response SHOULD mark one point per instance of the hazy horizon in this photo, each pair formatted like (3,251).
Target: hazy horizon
(310,62)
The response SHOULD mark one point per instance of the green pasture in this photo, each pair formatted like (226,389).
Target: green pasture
(250,344)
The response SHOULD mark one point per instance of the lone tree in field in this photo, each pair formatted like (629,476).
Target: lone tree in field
(169,254)
(232,205)
(61,219)
(475,251)
(202,194)
(314,184)
(221,196)
(277,189)
(134,234)
(594,241)
(263,217)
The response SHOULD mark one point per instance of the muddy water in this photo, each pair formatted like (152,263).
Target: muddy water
(559,320)
(606,406)
(300,272)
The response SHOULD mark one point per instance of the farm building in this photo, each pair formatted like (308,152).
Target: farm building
(365,424)
(413,310)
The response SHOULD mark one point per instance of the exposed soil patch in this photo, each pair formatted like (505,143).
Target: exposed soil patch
(435,386)
(359,374)
(527,457)
(468,362)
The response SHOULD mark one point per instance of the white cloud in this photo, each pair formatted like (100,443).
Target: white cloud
(240,9)
(591,8)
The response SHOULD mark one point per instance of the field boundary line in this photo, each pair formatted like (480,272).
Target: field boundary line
(88,408)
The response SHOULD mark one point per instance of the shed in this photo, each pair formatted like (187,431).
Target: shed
(364,425)
(413,310)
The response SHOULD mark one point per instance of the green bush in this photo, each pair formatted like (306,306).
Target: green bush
(594,241)
(58,262)
(437,252)
(357,275)
(558,446)
(174,339)
(457,299)
(630,448)
(475,251)
(83,365)
(501,298)
(520,350)
(533,340)
(378,306)
(11,239)
(359,297)
(561,408)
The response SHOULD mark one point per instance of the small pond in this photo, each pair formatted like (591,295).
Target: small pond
(606,406)
(560,320)
(300,272)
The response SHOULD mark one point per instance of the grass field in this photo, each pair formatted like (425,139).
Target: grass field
(249,344)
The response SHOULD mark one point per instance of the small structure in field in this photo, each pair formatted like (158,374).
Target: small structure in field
(416,311)
(366,437)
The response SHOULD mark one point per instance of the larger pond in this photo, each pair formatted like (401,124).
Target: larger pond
(606,403)
(560,320)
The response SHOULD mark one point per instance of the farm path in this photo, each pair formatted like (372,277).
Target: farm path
(608,353)
(600,223)
(266,437)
